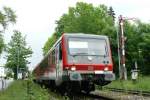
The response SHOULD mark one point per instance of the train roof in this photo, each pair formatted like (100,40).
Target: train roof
(84,35)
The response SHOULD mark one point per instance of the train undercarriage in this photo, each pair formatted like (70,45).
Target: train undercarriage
(87,84)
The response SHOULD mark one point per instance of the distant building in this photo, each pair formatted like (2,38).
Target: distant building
(2,71)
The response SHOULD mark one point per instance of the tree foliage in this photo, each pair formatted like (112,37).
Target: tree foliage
(7,16)
(111,12)
(49,43)
(18,52)
(87,19)
(1,43)
(138,46)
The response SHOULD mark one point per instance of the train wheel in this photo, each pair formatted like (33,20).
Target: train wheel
(52,86)
(65,89)
(68,89)
(87,87)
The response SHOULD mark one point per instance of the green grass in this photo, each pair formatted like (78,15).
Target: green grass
(143,84)
(27,90)
(19,90)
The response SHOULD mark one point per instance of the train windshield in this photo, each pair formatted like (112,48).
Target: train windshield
(87,46)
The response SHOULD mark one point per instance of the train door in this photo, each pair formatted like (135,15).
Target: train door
(58,63)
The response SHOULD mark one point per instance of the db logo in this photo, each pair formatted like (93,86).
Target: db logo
(90,68)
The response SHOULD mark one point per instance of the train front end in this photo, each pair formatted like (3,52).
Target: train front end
(87,59)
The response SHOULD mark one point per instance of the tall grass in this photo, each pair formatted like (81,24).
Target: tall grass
(143,84)
(19,90)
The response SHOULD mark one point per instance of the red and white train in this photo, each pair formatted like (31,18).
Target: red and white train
(77,62)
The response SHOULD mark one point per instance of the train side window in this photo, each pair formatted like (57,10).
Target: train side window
(50,58)
(53,57)
(60,52)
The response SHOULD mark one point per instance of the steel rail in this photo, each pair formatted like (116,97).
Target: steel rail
(137,92)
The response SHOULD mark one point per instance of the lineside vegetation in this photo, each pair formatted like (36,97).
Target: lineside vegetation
(142,84)
(27,90)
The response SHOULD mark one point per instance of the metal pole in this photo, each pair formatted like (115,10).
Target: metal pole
(118,51)
(121,47)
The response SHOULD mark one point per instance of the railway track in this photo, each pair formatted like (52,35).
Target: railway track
(81,96)
(84,96)
(135,92)
(113,94)
(106,94)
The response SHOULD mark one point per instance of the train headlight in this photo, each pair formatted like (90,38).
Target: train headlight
(106,69)
(73,68)
(67,68)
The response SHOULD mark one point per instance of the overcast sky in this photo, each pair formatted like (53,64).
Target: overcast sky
(36,18)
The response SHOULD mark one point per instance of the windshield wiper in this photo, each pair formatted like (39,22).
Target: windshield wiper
(80,53)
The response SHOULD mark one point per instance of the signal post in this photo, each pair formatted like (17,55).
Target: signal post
(121,49)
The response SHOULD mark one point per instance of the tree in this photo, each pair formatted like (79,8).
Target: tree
(138,46)
(51,40)
(18,53)
(1,43)
(144,47)
(7,16)
(111,12)
(85,18)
